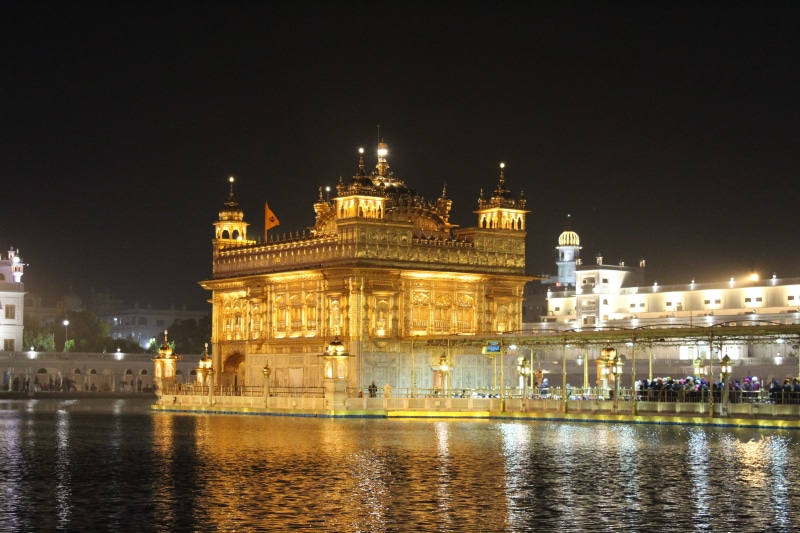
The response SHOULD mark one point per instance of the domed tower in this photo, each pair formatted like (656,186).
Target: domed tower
(230,229)
(568,249)
(502,211)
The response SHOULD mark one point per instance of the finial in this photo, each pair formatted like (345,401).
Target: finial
(502,175)
(382,165)
(444,190)
(320,193)
(361,161)
(231,179)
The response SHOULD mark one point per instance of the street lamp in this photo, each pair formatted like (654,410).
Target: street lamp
(698,367)
(524,371)
(617,367)
(336,373)
(725,371)
(66,330)
(267,371)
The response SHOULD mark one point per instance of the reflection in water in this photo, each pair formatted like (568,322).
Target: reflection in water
(443,474)
(63,479)
(12,473)
(697,470)
(111,467)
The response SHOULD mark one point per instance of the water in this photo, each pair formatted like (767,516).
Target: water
(92,465)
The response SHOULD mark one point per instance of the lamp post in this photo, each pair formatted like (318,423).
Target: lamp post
(336,374)
(697,364)
(607,356)
(617,367)
(524,371)
(267,371)
(413,384)
(66,333)
(210,386)
(725,371)
(202,369)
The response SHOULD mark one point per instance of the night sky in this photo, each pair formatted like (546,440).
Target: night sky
(669,131)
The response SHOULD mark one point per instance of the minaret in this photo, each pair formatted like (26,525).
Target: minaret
(502,211)
(568,249)
(17,266)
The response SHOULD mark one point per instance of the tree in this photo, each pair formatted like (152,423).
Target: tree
(36,337)
(189,336)
(87,333)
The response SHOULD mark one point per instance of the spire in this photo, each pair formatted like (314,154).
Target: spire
(230,208)
(444,204)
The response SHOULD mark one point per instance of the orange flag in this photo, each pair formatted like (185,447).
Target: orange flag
(270,220)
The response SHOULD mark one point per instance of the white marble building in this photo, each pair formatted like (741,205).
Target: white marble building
(12,301)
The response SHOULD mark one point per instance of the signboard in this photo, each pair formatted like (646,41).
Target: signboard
(491,348)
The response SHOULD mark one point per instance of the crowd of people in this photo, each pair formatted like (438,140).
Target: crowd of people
(699,389)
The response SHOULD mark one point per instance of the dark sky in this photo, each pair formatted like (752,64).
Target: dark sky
(668,131)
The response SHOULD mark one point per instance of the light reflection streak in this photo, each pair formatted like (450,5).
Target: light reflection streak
(626,449)
(778,449)
(63,487)
(442,432)
(369,489)
(754,457)
(163,483)
(13,463)
(516,449)
(697,457)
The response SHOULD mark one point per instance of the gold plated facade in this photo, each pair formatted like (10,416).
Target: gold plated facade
(380,267)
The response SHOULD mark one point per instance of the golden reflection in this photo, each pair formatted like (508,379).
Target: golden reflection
(369,492)
(754,458)
(444,497)
(163,451)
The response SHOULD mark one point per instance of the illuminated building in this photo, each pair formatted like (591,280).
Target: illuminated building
(12,301)
(614,297)
(380,267)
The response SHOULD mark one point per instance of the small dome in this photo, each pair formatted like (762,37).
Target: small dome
(569,238)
